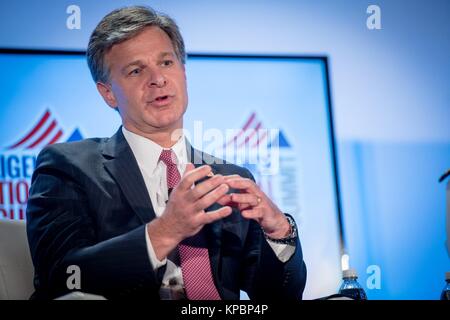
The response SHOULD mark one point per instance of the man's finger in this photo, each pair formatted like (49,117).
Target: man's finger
(206,186)
(225,200)
(232,176)
(215,215)
(246,198)
(189,167)
(243,184)
(190,177)
(211,197)
(254,213)
(243,206)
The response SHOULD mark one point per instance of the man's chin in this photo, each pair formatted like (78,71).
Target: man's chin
(169,123)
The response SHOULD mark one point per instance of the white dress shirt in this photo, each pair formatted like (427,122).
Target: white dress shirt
(153,171)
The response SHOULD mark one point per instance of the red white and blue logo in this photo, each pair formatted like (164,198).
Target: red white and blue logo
(18,160)
(252,134)
(45,132)
(272,160)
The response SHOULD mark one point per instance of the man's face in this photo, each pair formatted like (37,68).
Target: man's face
(147,83)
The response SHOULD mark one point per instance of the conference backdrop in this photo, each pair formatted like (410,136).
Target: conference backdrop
(390,97)
(270,114)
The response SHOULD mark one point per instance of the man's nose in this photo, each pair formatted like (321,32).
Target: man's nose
(157,79)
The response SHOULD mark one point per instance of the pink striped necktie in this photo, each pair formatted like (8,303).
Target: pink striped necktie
(194,257)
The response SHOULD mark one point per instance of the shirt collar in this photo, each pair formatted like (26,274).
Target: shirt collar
(147,152)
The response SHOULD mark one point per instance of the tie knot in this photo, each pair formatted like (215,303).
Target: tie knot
(168,157)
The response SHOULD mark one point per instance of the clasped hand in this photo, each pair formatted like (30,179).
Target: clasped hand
(185,214)
(185,211)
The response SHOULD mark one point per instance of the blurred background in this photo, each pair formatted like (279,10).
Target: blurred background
(390,94)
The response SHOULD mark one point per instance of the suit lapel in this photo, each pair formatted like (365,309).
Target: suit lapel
(122,165)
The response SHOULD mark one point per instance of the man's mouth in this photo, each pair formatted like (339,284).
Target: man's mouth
(162,100)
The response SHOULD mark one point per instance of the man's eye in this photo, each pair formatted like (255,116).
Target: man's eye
(135,72)
(167,63)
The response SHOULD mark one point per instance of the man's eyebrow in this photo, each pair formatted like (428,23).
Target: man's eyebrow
(140,62)
(133,63)
(164,54)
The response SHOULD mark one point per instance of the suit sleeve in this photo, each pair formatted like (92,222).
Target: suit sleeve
(62,232)
(265,276)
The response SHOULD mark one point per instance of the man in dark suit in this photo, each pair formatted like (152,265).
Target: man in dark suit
(143,214)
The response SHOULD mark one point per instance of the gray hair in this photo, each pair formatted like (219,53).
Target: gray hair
(123,24)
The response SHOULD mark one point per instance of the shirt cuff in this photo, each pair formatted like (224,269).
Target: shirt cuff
(283,251)
(152,255)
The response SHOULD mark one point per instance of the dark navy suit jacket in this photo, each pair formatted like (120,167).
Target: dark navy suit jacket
(88,206)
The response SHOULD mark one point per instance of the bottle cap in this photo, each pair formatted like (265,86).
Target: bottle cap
(349,273)
(447,276)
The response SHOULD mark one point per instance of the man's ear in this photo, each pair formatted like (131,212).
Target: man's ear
(107,94)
